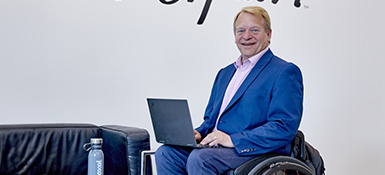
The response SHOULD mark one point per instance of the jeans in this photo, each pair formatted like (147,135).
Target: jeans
(174,160)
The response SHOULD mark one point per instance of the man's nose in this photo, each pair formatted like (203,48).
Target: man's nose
(247,34)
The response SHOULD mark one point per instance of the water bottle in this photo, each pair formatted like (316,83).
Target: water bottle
(95,156)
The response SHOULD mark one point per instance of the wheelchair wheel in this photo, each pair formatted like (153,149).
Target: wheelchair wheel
(281,165)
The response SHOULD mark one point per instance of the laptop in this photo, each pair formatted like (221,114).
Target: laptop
(172,122)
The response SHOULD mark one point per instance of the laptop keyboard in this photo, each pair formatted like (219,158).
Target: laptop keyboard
(208,146)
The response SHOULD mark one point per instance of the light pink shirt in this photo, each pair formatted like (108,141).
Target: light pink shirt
(240,75)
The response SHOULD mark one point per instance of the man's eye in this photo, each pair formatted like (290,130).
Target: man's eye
(254,30)
(240,31)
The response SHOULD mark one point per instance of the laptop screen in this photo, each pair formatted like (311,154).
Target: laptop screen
(171,121)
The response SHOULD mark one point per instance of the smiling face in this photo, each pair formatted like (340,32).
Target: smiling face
(251,36)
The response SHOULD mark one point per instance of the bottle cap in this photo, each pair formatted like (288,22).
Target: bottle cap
(98,141)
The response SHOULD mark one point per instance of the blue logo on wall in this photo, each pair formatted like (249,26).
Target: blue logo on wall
(206,8)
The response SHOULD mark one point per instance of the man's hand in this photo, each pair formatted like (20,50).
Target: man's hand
(217,137)
(198,136)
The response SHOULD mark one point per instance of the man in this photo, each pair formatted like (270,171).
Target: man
(255,106)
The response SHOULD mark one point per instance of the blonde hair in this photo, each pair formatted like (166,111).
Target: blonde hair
(257,11)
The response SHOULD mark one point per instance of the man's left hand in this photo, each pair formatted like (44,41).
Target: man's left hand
(218,137)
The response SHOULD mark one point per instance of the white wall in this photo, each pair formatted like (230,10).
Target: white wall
(96,61)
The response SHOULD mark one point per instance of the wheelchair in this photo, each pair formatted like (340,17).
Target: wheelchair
(303,160)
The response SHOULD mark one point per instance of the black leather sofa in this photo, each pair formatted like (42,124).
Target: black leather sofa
(55,149)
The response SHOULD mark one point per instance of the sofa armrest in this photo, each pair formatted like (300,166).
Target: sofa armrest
(122,146)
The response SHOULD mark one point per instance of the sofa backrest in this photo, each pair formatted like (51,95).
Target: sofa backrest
(45,148)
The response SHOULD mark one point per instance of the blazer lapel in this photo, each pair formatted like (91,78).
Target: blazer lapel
(265,59)
(229,73)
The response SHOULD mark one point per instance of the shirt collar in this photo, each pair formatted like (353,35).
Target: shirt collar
(253,60)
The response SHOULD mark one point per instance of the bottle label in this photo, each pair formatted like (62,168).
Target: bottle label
(99,167)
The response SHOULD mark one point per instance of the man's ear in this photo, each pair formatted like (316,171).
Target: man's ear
(269,35)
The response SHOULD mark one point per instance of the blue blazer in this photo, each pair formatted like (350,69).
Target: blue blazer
(265,113)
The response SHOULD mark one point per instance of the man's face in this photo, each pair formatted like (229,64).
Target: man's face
(250,35)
